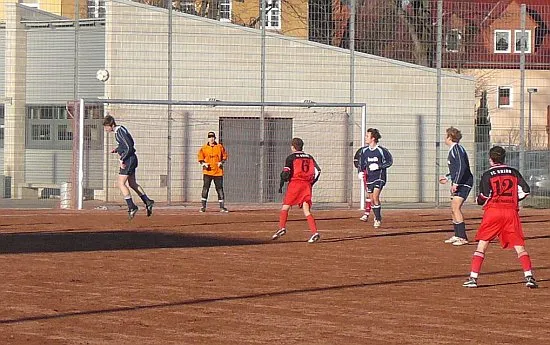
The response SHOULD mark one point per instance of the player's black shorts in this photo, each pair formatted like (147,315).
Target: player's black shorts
(375,184)
(462,191)
(131,165)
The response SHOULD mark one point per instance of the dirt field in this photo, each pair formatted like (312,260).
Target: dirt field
(181,277)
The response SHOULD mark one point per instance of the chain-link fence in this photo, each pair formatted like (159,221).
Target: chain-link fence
(419,65)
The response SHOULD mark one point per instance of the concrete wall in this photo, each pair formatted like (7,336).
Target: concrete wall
(223,61)
(39,68)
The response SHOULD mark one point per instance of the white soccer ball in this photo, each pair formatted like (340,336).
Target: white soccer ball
(102,75)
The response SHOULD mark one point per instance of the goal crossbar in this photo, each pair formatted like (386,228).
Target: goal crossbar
(218,103)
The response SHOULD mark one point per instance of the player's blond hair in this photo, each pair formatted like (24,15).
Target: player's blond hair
(454,134)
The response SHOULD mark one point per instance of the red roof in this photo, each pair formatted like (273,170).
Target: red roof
(478,17)
(383,35)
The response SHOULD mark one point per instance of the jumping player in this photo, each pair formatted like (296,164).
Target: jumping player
(500,190)
(301,172)
(374,161)
(362,175)
(461,179)
(128,164)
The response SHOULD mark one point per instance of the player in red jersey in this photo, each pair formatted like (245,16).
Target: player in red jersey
(301,172)
(500,190)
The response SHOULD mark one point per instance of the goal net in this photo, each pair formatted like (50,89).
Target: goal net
(257,136)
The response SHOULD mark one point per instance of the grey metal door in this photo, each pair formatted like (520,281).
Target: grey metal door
(278,135)
(241,138)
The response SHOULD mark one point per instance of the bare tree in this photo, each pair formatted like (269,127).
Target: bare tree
(416,15)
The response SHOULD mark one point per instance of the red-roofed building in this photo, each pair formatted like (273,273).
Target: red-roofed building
(483,39)
(481,34)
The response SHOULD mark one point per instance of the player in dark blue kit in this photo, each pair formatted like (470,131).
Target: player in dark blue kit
(128,164)
(374,161)
(462,180)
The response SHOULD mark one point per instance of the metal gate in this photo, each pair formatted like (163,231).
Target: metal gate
(241,138)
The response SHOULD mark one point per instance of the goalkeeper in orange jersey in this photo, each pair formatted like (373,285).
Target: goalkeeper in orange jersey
(212,156)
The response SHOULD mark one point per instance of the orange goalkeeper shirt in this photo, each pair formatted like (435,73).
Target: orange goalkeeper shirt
(212,155)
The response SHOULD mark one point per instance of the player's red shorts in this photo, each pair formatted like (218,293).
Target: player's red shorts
(503,223)
(297,193)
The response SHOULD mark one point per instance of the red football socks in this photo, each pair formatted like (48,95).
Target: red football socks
(283,216)
(525,261)
(311,223)
(477,261)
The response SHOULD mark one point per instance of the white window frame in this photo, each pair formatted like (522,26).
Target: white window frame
(226,7)
(509,32)
(509,88)
(96,8)
(517,34)
(273,14)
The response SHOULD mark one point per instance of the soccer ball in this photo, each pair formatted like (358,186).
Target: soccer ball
(102,75)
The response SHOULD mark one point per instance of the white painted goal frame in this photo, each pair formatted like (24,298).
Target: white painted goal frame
(210,103)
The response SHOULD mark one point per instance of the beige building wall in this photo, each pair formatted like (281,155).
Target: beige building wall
(222,61)
(505,121)
(15,86)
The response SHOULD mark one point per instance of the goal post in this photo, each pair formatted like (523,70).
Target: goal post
(168,135)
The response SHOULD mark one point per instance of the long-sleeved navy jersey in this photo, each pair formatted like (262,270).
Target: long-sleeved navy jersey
(459,166)
(503,187)
(375,161)
(125,142)
(357,158)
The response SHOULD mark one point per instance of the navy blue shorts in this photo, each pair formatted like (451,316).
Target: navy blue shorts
(462,191)
(131,165)
(375,184)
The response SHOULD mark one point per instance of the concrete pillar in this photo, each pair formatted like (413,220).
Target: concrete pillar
(15,86)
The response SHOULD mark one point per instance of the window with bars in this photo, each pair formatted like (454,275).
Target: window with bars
(273,14)
(526,41)
(64,133)
(502,41)
(96,8)
(225,10)
(40,132)
(48,127)
(504,97)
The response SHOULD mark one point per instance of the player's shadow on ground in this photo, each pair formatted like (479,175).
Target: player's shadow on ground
(47,242)
(258,295)
(381,233)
